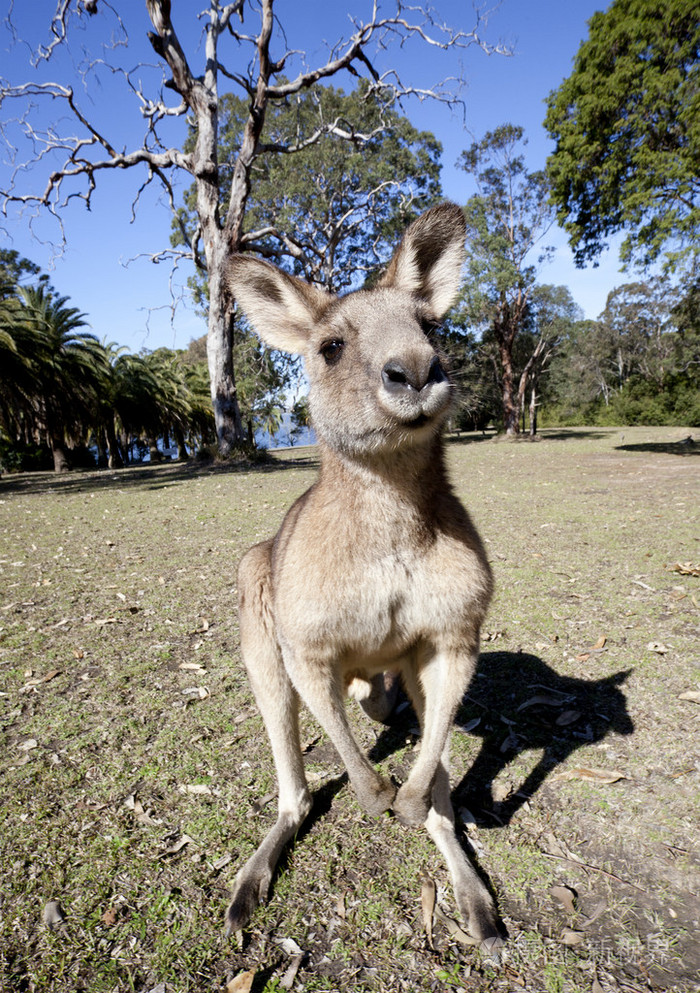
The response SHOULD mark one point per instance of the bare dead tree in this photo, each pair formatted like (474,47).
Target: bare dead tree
(250,60)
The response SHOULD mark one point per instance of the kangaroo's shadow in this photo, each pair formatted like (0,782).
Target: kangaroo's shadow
(521,705)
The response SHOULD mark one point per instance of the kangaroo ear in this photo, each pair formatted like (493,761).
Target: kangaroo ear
(281,308)
(428,262)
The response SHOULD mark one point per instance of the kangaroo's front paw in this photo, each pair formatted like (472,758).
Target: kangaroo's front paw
(378,797)
(409,808)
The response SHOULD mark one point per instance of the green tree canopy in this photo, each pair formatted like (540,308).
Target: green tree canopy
(332,211)
(627,128)
(636,364)
(507,221)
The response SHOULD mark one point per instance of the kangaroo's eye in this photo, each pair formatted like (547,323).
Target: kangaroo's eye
(332,350)
(430,328)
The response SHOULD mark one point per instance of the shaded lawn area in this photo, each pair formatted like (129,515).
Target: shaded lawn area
(136,776)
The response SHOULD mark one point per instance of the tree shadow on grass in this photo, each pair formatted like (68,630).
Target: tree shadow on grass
(546,434)
(687,446)
(148,476)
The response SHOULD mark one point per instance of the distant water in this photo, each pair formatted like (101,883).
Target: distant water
(288,436)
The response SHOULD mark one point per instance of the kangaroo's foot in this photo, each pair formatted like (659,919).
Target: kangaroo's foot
(376,795)
(411,808)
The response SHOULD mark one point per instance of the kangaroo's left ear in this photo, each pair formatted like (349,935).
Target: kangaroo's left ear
(428,262)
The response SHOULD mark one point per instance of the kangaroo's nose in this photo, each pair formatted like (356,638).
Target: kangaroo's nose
(398,376)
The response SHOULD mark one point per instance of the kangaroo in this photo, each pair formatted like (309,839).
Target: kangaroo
(377,568)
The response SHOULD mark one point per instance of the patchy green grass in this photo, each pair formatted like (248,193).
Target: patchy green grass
(135,775)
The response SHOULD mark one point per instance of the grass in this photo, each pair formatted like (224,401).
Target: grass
(133,763)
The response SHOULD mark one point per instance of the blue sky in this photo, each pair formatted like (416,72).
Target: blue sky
(105,268)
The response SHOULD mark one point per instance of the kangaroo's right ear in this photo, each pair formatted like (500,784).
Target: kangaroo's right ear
(428,262)
(281,308)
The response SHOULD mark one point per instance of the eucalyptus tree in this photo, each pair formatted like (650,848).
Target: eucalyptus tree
(507,220)
(552,314)
(244,47)
(626,123)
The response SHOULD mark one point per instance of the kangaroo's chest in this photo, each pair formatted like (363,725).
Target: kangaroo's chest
(367,595)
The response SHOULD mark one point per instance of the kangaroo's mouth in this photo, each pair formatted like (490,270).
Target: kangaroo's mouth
(418,422)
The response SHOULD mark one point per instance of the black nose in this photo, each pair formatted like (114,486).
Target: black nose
(397,376)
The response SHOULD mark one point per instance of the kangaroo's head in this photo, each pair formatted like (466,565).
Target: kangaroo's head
(376,381)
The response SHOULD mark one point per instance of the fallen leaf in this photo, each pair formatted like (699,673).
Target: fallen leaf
(597,912)
(287,980)
(194,666)
(28,745)
(455,931)
(603,776)
(109,918)
(567,717)
(141,815)
(596,987)
(427,903)
(340,906)
(541,698)
(38,680)
(570,937)
(468,819)
(196,788)
(686,569)
(257,805)
(510,743)
(470,725)
(241,983)
(183,840)
(196,692)
(600,643)
(692,695)
(656,646)
(565,896)
(54,913)
(289,946)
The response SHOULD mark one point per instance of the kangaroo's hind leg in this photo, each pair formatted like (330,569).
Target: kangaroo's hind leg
(279,705)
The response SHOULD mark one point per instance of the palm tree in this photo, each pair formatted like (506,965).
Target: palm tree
(21,341)
(172,403)
(201,426)
(71,369)
(133,400)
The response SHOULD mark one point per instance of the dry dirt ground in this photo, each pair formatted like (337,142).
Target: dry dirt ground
(135,775)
